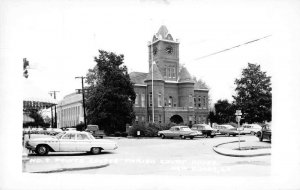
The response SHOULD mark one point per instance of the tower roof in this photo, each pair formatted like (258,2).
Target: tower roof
(184,76)
(163,33)
(156,74)
(138,77)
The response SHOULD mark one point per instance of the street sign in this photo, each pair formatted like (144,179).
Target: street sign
(240,128)
(238,112)
(238,118)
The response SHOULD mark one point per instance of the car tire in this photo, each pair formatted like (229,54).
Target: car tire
(227,135)
(42,150)
(191,138)
(182,137)
(212,136)
(205,135)
(95,150)
(162,136)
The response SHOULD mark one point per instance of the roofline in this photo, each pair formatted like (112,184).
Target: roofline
(140,85)
(182,82)
(154,80)
(202,89)
(151,43)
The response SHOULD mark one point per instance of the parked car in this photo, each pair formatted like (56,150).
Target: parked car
(251,128)
(265,133)
(179,131)
(94,130)
(205,130)
(227,130)
(70,141)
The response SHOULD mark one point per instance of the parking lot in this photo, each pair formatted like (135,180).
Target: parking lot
(148,156)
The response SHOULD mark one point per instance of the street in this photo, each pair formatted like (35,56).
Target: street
(152,156)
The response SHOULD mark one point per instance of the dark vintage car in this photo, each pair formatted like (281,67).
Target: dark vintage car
(178,131)
(265,133)
(94,130)
(205,129)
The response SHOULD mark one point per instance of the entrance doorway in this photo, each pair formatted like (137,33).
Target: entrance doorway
(176,119)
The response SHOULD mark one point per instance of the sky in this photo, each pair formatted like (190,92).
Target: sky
(61,38)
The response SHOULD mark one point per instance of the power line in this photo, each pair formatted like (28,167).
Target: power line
(233,47)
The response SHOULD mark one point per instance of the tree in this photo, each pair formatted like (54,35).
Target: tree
(253,94)
(38,119)
(224,112)
(111,95)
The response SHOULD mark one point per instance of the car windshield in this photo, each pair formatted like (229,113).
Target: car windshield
(207,127)
(268,126)
(185,129)
(90,136)
(59,135)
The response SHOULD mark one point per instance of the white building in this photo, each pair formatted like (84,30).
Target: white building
(70,111)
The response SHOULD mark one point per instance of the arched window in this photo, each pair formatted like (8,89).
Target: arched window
(190,100)
(159,100)
(150,99)
(143,100)
(170,101)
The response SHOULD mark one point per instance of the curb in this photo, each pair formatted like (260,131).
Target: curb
(237,153)
(71,169)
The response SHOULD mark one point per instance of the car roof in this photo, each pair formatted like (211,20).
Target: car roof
(76,132)
(180,126)
(225,125)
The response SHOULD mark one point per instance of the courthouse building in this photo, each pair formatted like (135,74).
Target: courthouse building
(176,97)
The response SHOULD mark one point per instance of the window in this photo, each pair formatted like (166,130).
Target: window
(82,137)
(143,118)
(204,102)
(170,101)
(199,101)
(136,119)
(137,99)
(159,100)
(195,103)
(69,136)
(172,70)
(190,101)
(166,71)
(159,118)
(143,100)
(150,99)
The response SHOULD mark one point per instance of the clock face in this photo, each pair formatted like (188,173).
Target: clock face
(169,50)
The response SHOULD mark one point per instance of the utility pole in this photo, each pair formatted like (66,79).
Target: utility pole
(83,100)
(55,114)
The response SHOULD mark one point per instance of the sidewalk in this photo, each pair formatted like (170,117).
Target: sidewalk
(245,149)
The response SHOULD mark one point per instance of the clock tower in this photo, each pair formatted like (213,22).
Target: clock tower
(165,52)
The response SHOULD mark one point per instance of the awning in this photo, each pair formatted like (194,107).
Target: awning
(27,119)
(34,97)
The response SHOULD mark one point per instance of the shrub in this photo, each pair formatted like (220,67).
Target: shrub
(137,127)
(80,127)
(235,125)
(148,129)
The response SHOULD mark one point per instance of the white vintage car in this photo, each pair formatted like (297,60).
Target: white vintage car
(70,141)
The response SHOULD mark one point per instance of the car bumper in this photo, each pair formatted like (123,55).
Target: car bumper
(29,147)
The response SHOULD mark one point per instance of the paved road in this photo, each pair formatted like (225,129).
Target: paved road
(166,157)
